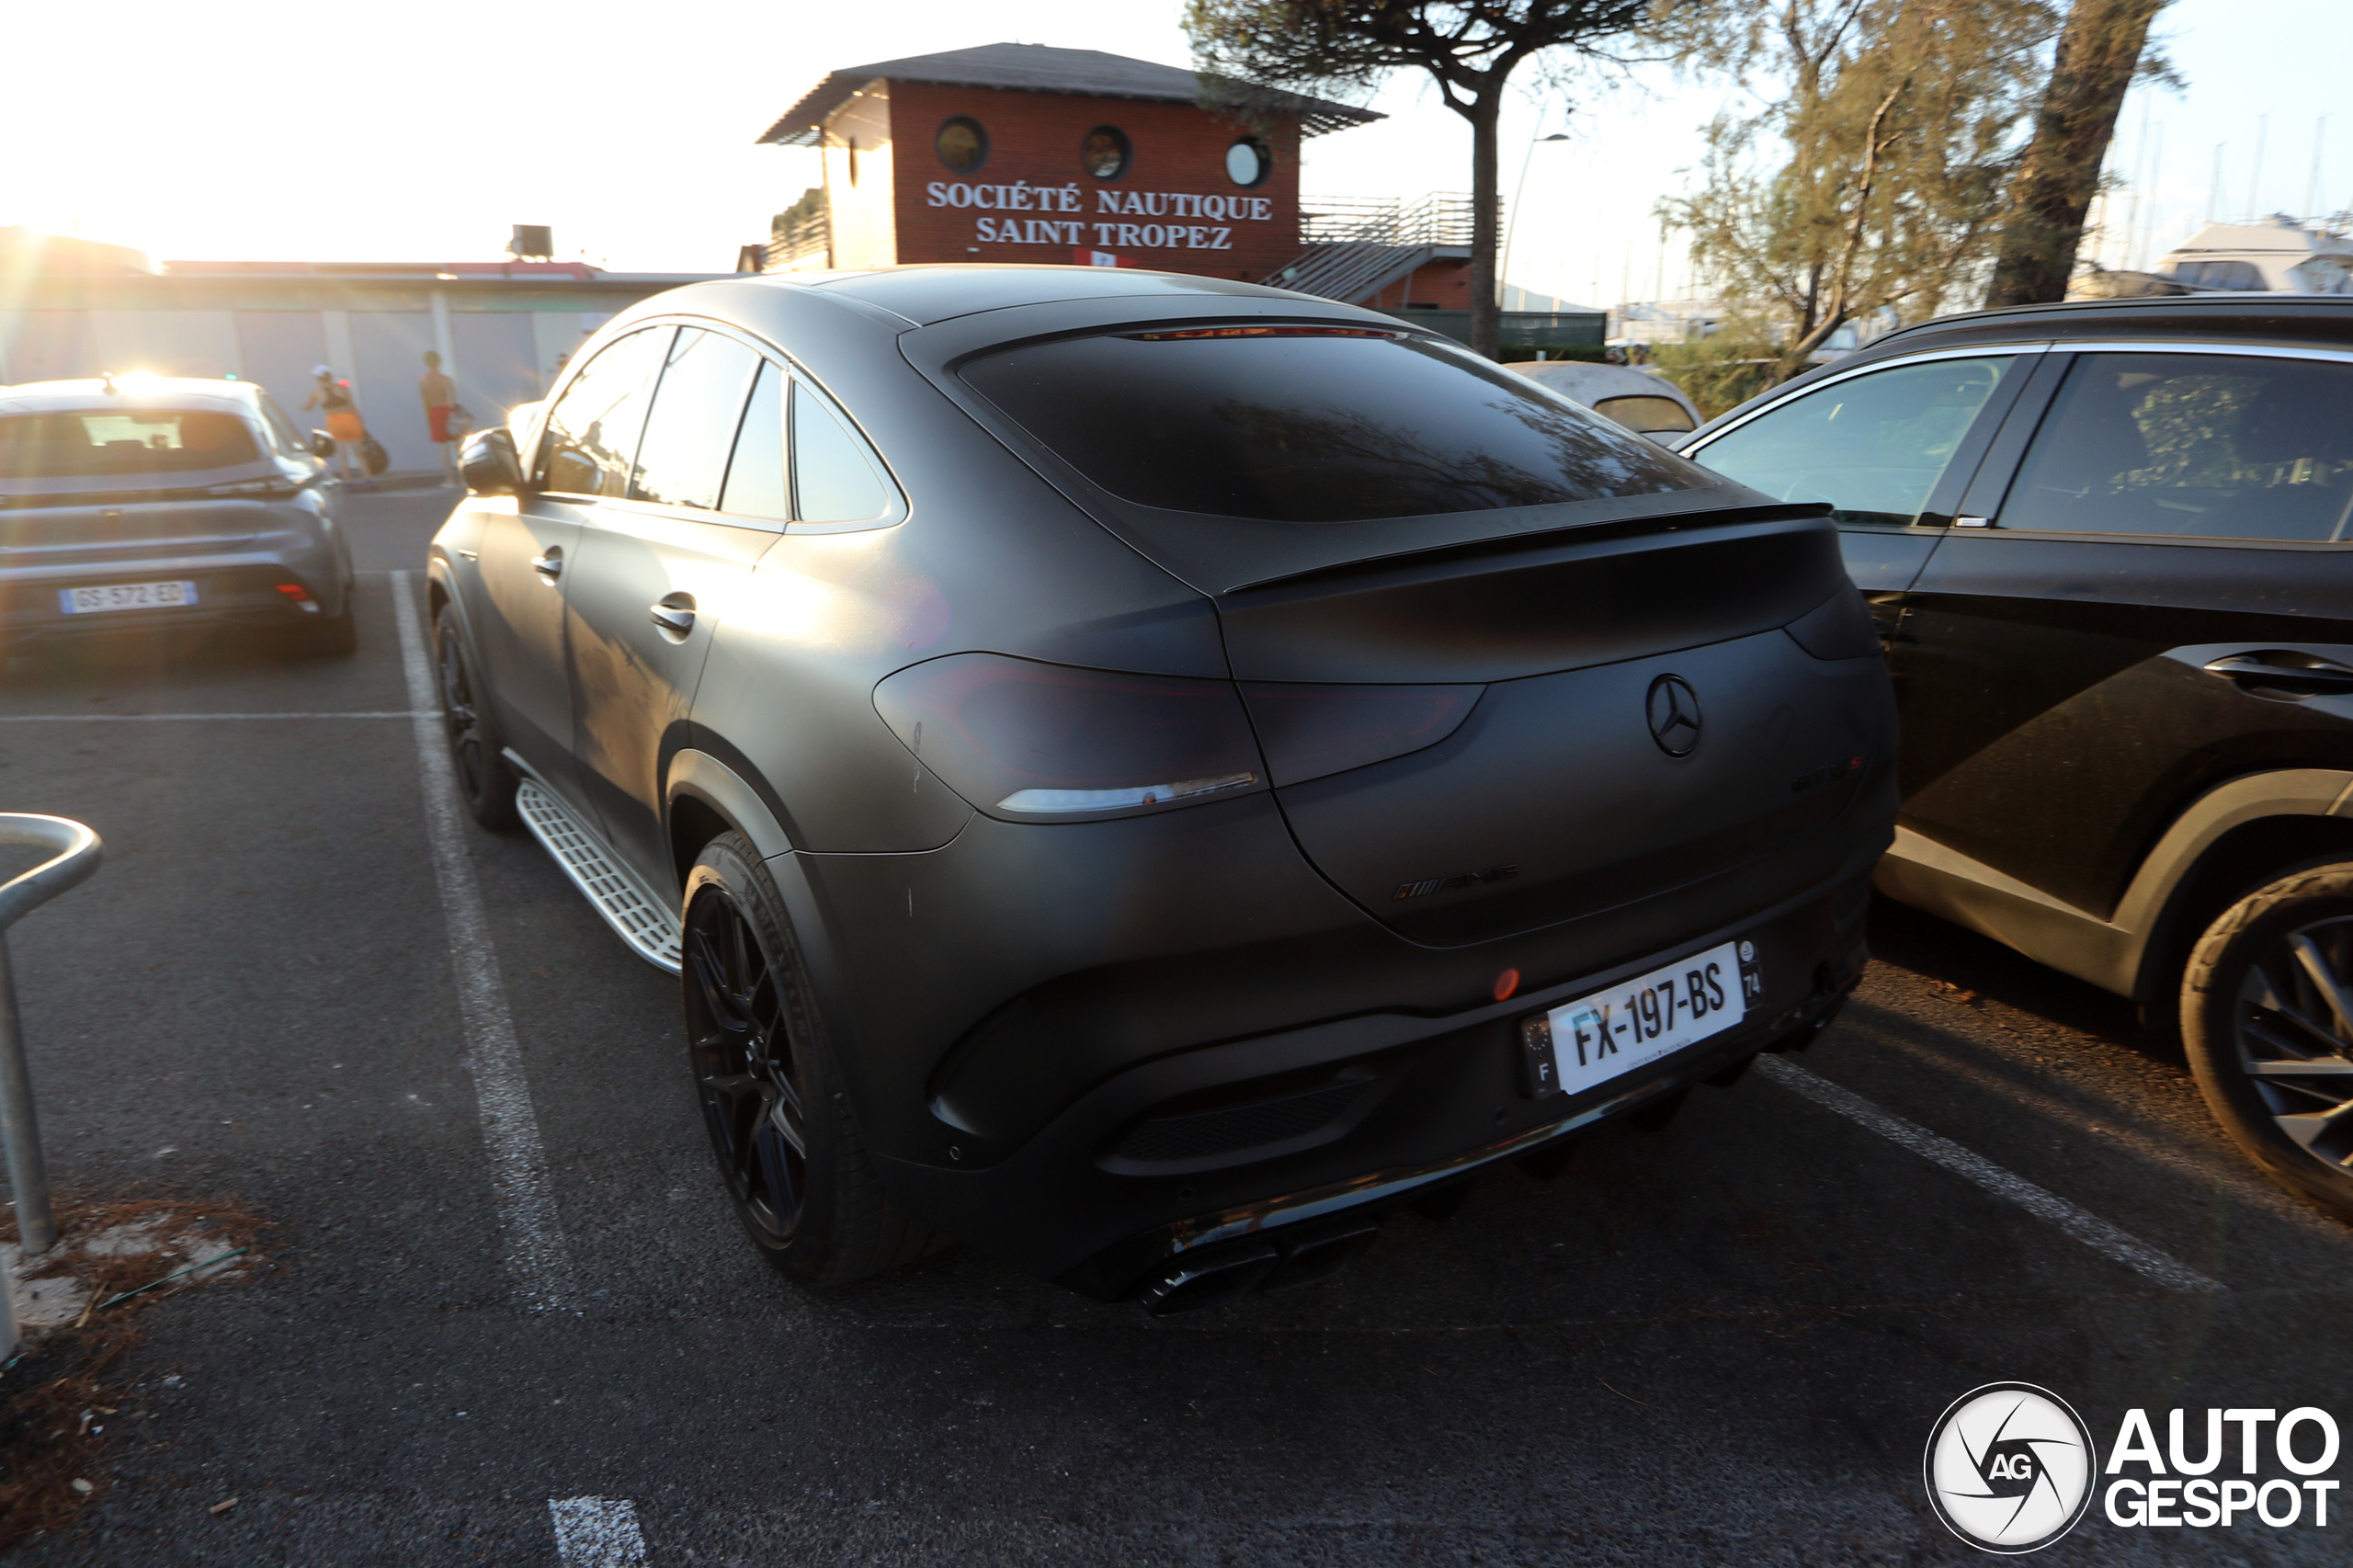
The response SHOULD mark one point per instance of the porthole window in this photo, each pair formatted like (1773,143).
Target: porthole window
(1104,152)
(1248,162)
(961,144)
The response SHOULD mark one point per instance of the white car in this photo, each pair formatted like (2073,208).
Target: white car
(1642,401)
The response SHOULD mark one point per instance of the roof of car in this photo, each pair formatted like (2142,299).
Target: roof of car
(1039,68)
(1586,381)
(2268,317)
(924,294)
(129,390)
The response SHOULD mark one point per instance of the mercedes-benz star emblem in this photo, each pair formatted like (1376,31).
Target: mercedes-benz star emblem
(1675,715)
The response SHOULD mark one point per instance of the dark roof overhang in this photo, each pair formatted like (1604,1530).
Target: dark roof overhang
(1038,68)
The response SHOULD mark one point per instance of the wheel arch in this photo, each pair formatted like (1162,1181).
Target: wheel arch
(2224,842)
(705,796)
(707,793)
(441,590)
(2238,838)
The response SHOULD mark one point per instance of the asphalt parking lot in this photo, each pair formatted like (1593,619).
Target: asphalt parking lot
(1723,1341)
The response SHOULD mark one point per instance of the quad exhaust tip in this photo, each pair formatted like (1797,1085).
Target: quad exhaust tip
(1312,1251)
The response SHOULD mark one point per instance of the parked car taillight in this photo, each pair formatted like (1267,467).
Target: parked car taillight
(1025,742)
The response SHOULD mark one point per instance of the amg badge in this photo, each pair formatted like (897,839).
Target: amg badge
(1460,880)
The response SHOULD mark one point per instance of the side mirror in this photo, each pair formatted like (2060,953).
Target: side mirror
(322,446)
(490,464)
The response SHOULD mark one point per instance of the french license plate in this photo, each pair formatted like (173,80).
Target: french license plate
(125,595)
(1596,1038)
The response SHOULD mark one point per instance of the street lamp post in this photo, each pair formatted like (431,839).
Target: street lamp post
(1512,227)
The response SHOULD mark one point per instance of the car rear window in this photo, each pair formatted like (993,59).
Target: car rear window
(1313,425)
(114,442)
(1645,414)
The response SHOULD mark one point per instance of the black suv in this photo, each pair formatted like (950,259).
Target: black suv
(2110,549)
(1141,773)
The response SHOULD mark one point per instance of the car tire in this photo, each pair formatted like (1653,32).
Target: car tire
(788,1148)
(2272,1052)
(485,779)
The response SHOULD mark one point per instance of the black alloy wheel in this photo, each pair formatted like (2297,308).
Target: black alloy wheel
(2268,1022)
(754,1100)
(786,1144)
(485,779)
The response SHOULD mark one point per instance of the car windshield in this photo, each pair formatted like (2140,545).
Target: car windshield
(114,442)
(1313,425)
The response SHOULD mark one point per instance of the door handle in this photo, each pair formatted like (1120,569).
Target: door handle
(2278,667)
(675,614)
(551,565)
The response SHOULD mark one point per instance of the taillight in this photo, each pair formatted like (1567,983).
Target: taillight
(1029,742)
(1310,731)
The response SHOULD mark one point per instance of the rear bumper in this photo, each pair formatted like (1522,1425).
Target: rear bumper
(1412,1103)
(238,589)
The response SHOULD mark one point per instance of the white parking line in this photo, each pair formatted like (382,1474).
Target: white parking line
(596,1532)
(2087,1228)
(518,1167)
(164,717)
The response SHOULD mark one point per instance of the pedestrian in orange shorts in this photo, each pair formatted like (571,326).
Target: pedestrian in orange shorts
(332,398)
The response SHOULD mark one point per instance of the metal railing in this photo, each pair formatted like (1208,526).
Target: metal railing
(77,853)
(1356,245)
(1441,218)
(786,252)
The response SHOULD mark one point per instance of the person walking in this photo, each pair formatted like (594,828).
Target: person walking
(332,398)
(440,396)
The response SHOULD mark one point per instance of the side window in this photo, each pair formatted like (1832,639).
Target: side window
(683,458)
(2211,446)
(1873,446)
(592,430)
(834,481)
(2240,275)
(756,481)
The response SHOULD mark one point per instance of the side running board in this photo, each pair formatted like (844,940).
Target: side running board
(634,913)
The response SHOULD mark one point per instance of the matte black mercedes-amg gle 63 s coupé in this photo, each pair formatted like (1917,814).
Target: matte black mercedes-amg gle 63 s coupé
(1145,775)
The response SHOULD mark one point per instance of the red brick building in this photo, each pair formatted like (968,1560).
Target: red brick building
(1021,153)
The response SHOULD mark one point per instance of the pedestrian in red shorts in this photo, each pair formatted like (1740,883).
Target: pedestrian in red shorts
(440,396)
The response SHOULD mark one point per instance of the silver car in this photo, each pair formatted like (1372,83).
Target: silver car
(1639,400)
(141,504)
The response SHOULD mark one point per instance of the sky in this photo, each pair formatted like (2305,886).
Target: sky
(281,130)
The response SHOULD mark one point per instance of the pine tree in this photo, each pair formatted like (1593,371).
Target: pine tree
(1470,48)
(1872,175)
(2100,52)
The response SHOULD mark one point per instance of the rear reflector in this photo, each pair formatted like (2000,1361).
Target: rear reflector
(1026,741)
